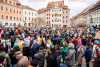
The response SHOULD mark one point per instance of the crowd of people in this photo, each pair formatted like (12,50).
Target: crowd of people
(25,47)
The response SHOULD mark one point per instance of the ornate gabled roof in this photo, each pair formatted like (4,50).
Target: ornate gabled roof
(55,4)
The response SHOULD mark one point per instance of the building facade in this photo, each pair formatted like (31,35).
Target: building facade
(56,14)
(10,13)
(28,16)
(93,15)
(90,16)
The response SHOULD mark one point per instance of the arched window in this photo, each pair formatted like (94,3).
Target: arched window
(14,24)
(2,16)
(10,17)
(6,24)
(1,7)
(6,17)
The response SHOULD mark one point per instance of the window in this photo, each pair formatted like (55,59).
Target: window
(10,2)
(1,7)
(63,17)
(20,19)
(14,3)
(29,24)
(14,24)
(6,9)
(52,25)
(10,10)
(52,20)
(32,19)
(29,13)
(14,18)
(66,21)
(17,11)
(17,18)
(6,17)
(48,22)
(14,10)
(10,17)
(10,24)
(25,12)
(52,15)
(63,21)
(29,18)
(2,1)
(2,16)
(25,18)
(6,24)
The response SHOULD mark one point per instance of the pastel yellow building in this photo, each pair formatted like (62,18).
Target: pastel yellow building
(10,13)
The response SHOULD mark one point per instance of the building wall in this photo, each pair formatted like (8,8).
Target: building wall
(90,16)
(10,13)
(93,18)
(56,14)
(28,16)
(58,17)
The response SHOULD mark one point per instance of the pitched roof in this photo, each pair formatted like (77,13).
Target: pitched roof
(42,10)
(55,4)
(27,7)
(88,9)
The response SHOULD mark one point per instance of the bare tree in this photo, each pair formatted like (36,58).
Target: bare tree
(39,22)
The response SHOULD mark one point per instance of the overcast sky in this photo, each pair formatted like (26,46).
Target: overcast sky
(76,6)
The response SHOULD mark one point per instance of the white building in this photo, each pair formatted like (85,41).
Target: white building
(28,15)
(90,16)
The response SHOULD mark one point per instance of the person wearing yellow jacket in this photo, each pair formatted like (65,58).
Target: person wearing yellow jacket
(21,44)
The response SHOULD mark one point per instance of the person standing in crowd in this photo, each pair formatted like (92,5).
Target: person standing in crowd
(75,42)
(22,60)
(26,48)
(51,59)
(4,57)
(80,55)
(88,55)
(1,32)
(70,58)
(96,56)
(64,51)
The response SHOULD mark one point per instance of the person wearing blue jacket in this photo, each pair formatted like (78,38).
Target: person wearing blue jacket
(88,55)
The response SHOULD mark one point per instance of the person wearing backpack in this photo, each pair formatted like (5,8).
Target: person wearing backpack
(64,51)
(88,55)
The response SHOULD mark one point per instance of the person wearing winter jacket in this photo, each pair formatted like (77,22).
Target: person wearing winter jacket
(4,57)
(88,55)
(22,60)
